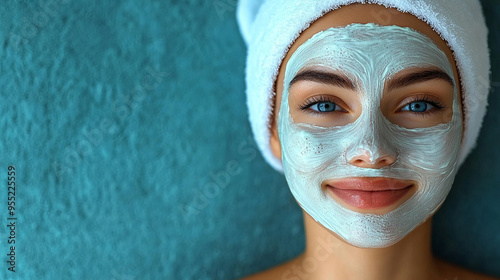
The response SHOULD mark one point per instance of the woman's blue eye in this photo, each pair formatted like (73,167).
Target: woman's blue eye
(325,106)
(418,107)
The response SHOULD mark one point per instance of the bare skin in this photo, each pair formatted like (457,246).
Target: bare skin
(327,256)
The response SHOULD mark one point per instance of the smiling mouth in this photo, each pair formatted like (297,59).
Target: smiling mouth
(370,193)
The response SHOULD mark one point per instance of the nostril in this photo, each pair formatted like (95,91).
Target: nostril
(361,161)
(366,162)
(387,160)
(358,161)
(383,161)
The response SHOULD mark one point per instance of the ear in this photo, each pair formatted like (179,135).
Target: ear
(275,142)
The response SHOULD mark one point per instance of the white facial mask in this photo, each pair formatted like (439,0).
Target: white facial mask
(369,55)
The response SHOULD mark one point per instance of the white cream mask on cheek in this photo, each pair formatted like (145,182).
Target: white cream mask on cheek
(369,55)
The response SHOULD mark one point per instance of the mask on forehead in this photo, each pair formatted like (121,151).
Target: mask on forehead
(369,55)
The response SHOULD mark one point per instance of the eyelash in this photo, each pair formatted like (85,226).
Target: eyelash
(419,98)
(318,99)
(425,98)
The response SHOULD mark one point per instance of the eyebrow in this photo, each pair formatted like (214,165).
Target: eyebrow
(419,77)
(324,78)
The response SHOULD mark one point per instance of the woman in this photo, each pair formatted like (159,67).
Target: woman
(374,112)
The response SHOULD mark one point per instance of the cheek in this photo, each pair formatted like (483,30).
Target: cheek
(311,151)
(430,150)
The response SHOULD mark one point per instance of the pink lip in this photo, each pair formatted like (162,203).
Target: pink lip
(370,193)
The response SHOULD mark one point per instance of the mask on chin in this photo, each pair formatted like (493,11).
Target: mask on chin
(370,55)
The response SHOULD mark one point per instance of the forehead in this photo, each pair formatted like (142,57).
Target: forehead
(377,51)
(368,13)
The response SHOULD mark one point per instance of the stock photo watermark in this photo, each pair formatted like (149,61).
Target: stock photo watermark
(219,180)
(32,25)
(223,7)
(121,275)
(91,138)
(323,250)
(11,218)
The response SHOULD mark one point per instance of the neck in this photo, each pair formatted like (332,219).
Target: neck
(327,256)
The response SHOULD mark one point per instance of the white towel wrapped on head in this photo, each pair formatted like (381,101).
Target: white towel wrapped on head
(270,28)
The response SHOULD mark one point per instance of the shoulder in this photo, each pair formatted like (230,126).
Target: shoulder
(282,271)
(448,270)
(454,272)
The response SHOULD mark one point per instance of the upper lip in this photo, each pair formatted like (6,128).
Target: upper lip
(369,184)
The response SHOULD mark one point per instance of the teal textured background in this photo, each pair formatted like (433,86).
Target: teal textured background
(127,124)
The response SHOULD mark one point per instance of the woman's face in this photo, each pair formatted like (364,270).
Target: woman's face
(371,124)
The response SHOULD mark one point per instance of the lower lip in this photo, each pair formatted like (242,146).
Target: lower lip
(370,199)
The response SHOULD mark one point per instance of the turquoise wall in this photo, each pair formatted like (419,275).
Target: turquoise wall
(127,125)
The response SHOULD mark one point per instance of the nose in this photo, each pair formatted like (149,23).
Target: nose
(373,149)
(367,160)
